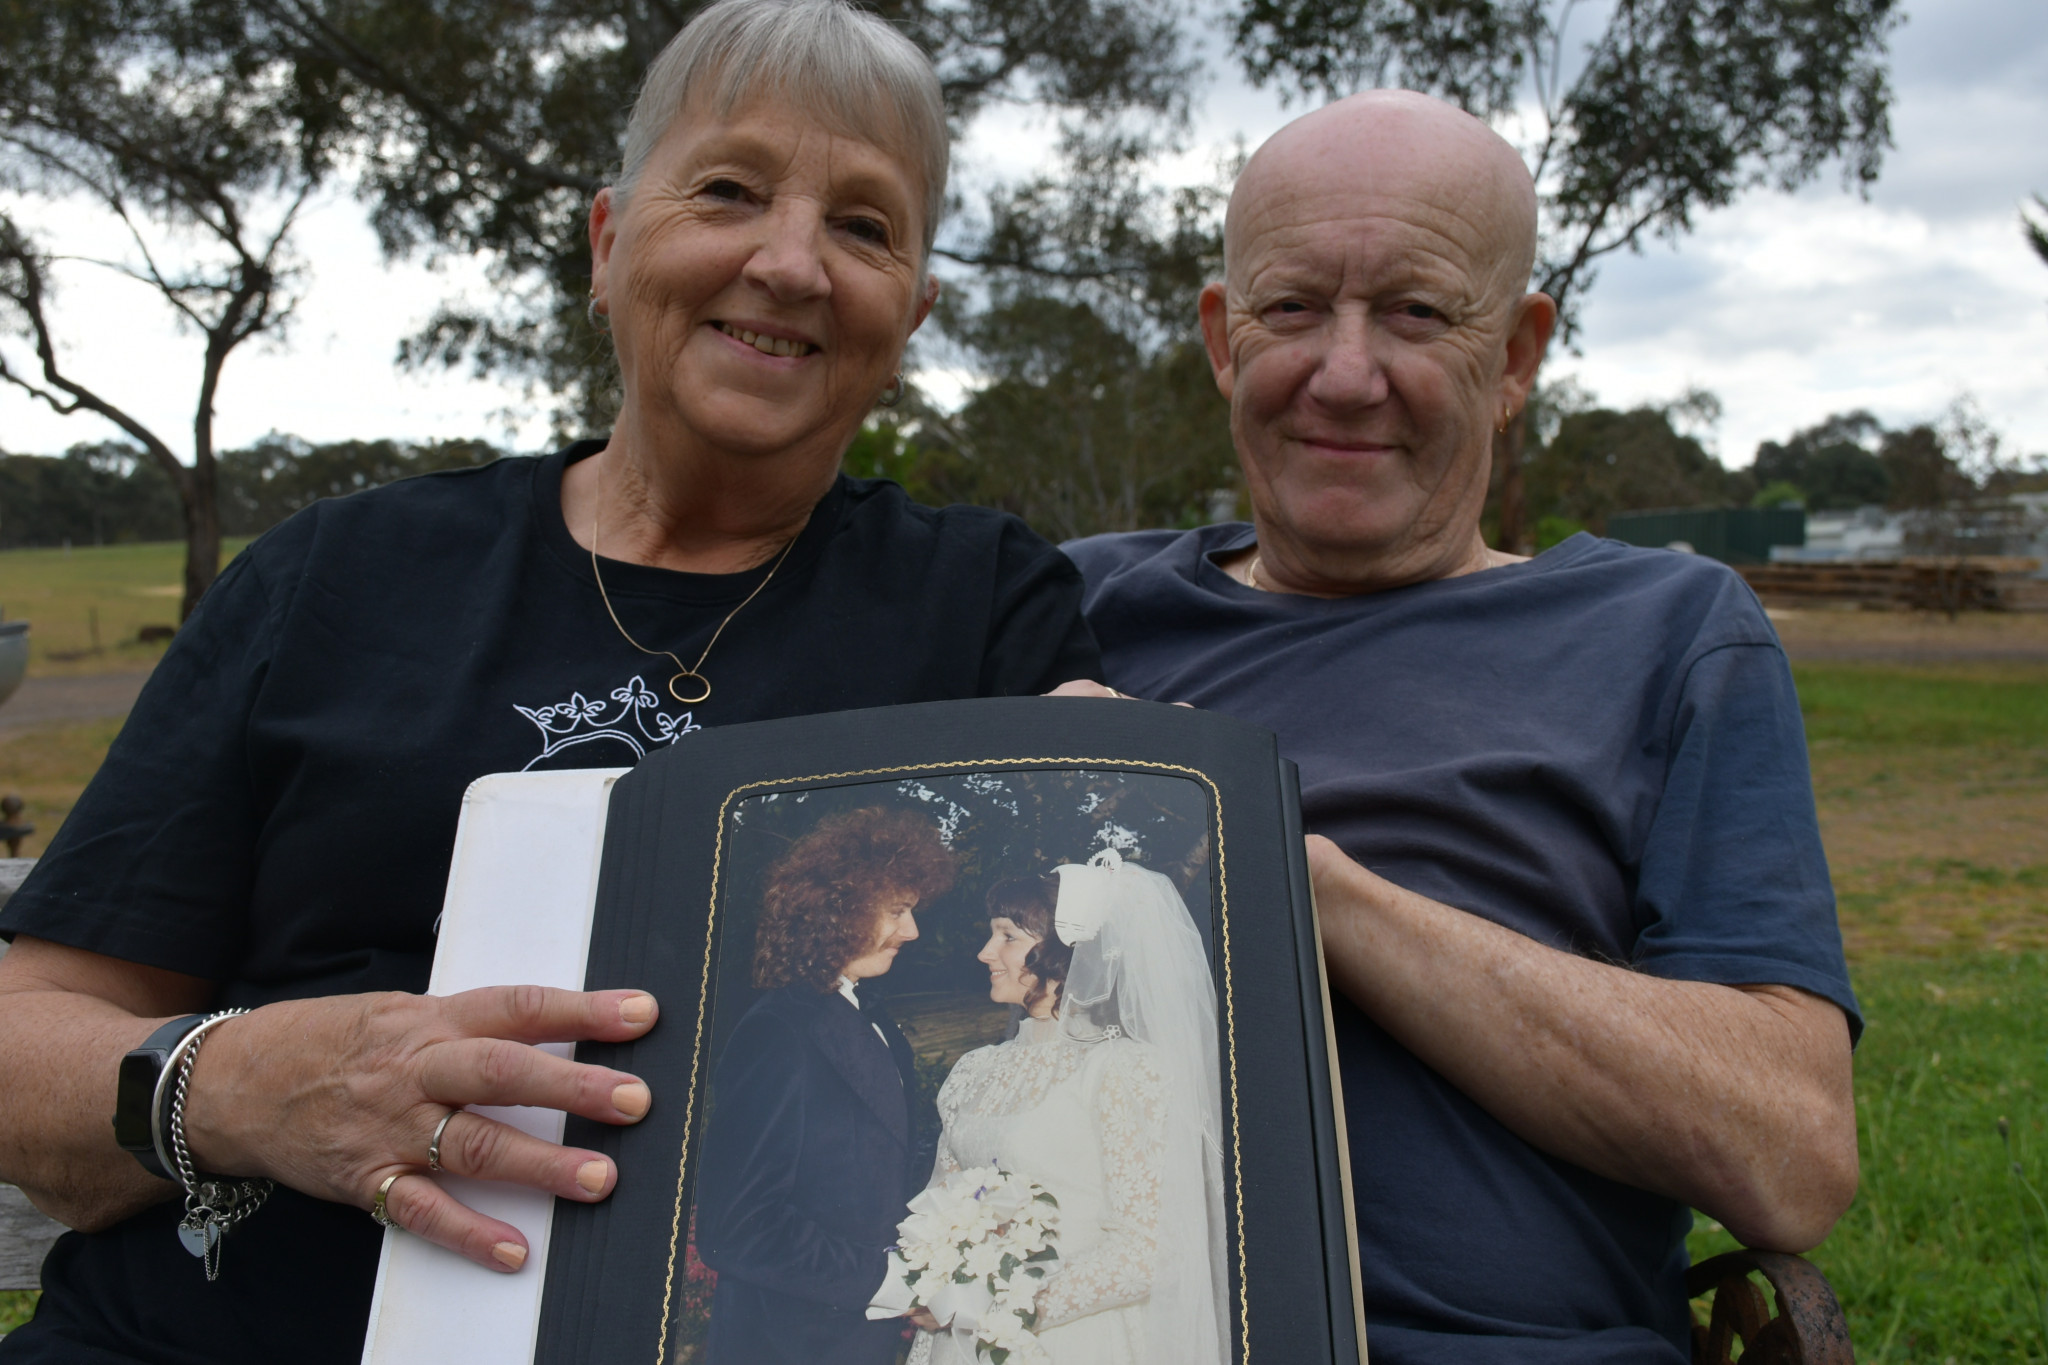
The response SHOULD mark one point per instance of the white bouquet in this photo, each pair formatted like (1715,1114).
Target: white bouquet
(973,1253)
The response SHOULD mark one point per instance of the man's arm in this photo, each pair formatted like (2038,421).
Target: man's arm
(1735,1100)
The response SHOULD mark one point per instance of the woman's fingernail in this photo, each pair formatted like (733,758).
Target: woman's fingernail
(510,1255)
(591,1175)
(636,1009)
(632,1098)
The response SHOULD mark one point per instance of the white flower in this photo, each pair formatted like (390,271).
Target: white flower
(958,1237)
(983,1258)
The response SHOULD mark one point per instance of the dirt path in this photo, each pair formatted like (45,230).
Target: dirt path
(93,696)
(1815,636)
(1933,849)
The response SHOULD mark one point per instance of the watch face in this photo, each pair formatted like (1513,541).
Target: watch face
(137,1094)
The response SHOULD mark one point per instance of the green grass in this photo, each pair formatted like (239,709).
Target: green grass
(48,766)
(1856,706)
(1931,1263)
(16,1307)
(118,589)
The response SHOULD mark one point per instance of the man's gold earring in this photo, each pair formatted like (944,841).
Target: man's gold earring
(1507,417)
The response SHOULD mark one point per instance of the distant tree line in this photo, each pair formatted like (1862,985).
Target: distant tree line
(108,493)
(1078,433)
(1590,462)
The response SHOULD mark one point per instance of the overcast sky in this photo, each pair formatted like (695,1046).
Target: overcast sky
(1787,307)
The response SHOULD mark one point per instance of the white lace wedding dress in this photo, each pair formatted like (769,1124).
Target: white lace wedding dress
(1087,1120)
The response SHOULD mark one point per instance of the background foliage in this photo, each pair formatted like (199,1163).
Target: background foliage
(483,129)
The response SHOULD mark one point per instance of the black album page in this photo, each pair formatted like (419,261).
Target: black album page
(1050,963)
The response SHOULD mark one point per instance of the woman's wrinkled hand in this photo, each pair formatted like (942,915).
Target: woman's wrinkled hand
(333,1096)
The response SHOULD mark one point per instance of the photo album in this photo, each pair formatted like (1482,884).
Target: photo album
(990,1031)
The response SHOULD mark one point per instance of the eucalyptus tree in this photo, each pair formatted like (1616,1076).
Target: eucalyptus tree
(484,127)
(161,118)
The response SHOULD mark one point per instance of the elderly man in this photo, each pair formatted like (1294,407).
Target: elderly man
(1571,882)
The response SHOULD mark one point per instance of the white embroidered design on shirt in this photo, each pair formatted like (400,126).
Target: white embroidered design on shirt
(638,722)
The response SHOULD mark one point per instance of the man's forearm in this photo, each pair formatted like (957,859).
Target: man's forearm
(1735,1100)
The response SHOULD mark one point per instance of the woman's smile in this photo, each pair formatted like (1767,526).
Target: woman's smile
(767,340)
(1005,953)
(761,280)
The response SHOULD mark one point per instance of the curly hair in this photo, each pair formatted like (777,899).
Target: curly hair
(819,906)
(1028,903)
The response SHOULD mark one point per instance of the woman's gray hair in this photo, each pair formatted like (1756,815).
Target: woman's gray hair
(843,64)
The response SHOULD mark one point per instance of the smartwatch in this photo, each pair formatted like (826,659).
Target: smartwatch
(143,1092)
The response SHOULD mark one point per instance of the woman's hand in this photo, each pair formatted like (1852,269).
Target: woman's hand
(921,1317)
(332,1096)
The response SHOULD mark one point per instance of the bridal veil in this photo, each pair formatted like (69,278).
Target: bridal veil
(1139,968)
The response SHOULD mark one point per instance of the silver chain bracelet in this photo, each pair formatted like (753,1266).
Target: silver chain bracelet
(213,1204)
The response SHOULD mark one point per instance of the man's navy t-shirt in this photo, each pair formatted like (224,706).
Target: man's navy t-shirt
(1599,748)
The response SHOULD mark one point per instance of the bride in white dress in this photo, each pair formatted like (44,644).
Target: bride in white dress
(1109,1097)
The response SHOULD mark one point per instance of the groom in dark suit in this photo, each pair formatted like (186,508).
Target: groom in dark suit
(808,1158)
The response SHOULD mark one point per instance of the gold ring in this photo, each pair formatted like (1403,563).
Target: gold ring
(384,1219)
(434,1147)
(1114,693)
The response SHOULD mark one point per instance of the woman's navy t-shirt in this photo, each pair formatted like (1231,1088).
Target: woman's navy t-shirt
(1599,748)
(278,812)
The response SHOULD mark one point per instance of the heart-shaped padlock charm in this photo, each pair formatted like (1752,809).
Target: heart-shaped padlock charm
(199,1239)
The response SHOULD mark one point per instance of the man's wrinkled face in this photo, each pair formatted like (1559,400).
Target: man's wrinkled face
(1362,329)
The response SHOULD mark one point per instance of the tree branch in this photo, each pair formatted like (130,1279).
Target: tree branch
(15,249)
(330,42)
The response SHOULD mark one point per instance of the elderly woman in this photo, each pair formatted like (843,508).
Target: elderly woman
(271,831)
(808,1160)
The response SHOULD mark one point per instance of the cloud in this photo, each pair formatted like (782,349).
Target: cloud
(1792,309)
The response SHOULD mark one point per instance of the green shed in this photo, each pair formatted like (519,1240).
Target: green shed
(1733,535)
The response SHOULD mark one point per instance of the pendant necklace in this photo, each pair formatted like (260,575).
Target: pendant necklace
(700,685)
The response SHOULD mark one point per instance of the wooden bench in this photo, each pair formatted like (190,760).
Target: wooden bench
(1807,1328)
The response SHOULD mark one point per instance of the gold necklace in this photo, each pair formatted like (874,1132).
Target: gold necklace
(1251,573)
(691,671)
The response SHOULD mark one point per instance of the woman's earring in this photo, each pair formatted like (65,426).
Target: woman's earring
(893,395)
(599,321)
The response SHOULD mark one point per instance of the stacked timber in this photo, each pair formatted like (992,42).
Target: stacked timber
(1949,583)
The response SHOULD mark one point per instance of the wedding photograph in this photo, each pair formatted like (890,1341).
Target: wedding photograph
(965,1093)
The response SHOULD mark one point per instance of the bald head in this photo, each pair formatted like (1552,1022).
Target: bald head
(1398,145)
(1372,334)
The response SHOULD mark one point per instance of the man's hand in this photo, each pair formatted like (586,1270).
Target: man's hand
(1087,687)
(1734,1099)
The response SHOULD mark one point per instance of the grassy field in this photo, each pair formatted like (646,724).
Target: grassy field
(1932,784)
(48,767)
(1933,791)
(85,606)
